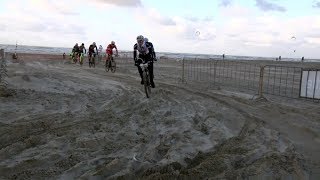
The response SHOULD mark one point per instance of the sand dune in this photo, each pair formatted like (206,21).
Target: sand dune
(63,121)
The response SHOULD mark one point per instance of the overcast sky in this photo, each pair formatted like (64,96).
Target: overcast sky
(237,27)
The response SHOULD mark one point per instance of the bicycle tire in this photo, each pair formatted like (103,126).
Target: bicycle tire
(113,66)
(106,67)
(147,87)
(81,59)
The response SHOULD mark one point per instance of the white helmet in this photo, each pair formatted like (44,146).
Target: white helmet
(140,37)
(112,42)
(146,39)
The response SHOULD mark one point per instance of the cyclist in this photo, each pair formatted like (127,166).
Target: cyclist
(81,48)
(109,51)
(100,49)
(100,52)
(91,50)
(146,52)
(75,51)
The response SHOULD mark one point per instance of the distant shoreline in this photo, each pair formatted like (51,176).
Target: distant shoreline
(169,55)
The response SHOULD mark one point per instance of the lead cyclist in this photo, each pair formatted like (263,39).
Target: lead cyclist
(146,52)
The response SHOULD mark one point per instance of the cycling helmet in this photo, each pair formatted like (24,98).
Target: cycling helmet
(140,39)
(146,39)
(82,44)
(94,43)
(76,44)
(113,43)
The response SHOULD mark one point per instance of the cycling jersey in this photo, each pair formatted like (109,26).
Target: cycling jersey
(81,48)
(109,49)
(100,49)
(75,48)
(146,49)
(92,47)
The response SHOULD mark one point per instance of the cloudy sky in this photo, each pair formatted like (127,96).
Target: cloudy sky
(237,27)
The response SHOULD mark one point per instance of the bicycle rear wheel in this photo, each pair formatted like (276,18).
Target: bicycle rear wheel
(113,66)
(146,80)
(106,67)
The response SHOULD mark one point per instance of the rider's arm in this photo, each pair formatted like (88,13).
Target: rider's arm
(116,49)
(154,53)
(152,50)
(135,47)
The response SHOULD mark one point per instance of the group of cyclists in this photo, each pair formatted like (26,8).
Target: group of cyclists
(144,48)
(78,51)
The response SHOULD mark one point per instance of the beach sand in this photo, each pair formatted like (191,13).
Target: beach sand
(63,121)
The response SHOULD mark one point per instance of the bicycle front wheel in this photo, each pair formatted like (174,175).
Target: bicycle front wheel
(146,80)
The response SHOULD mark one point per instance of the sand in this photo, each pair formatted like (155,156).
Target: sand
(64,121)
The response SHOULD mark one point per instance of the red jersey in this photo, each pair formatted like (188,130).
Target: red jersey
(109,49)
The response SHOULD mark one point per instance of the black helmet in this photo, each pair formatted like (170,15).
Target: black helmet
(82,44)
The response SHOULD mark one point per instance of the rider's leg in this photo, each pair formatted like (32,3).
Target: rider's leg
(150,68)
(109,60)
(140,73)
(139,68)
(89,57)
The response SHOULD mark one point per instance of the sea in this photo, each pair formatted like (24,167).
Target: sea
(168,55)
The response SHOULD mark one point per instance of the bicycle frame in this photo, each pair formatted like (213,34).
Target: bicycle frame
(91,60)
(146,77)
(110,64)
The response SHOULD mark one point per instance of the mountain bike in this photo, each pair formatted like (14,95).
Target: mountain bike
(110,64)
(81,59)
(92,62)
(145,76)
(75,57)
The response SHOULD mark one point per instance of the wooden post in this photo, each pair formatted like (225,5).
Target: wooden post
(183,80)
(261,82)
(215,64)
(1,53)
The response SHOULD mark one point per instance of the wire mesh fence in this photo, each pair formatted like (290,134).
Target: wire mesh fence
(246,76)
(282,81)
(226,73)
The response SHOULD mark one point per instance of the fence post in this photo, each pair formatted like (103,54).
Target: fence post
(261,82)
(215,64)
(1,54)
(183,80)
